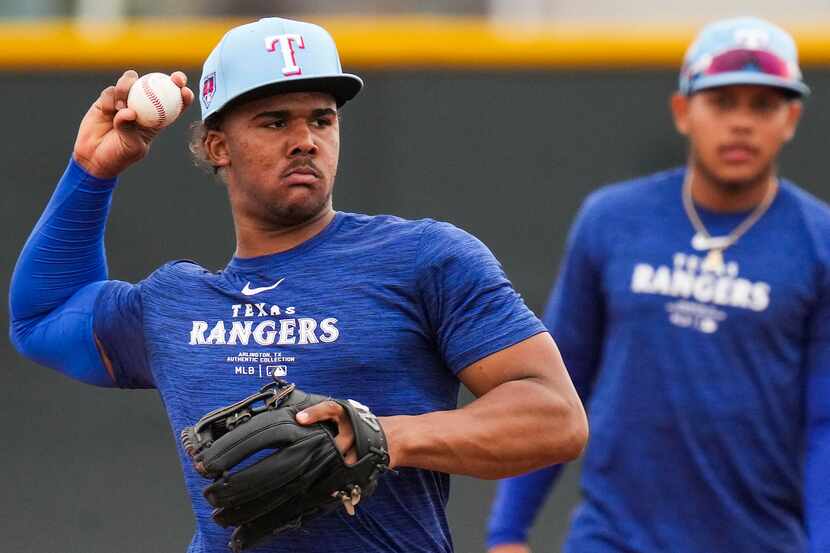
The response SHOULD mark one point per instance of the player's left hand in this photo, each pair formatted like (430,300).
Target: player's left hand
(306,473)
(333,412)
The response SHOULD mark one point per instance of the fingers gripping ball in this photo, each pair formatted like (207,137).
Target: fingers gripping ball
(297,474)
(156,99)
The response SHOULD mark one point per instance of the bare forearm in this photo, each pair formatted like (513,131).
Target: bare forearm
(516,427)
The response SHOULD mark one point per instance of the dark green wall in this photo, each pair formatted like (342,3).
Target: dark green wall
(507,156)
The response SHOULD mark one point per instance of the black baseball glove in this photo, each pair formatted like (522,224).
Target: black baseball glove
(300,473)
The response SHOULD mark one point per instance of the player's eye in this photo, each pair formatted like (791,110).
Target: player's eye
(277,123)
(321,122)
(723,102)
(764,104)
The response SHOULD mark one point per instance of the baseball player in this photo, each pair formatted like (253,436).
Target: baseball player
(390,312)
(693,310)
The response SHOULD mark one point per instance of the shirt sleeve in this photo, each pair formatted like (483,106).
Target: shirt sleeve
(575,317)
(118,324)
(60,299)
(575,312)
(59,273)
(817,456)
(517,504)
(470,304)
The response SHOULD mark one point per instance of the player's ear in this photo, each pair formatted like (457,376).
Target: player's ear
(794,110)
(679,105)
(216,148)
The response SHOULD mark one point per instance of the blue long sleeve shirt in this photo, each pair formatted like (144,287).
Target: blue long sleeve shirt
(708,392)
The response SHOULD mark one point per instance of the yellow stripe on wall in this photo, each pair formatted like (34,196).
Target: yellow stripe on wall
(395,43)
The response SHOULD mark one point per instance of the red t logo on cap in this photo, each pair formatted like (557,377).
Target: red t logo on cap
(286,42)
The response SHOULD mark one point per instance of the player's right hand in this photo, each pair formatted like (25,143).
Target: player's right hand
(109,140)
(510,548)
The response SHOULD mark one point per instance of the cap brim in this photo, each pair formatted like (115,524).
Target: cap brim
(743,77)
(343,87)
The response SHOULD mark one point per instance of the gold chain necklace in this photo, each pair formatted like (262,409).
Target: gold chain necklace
(715,245)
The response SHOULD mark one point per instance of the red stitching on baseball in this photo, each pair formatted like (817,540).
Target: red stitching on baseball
(151,95)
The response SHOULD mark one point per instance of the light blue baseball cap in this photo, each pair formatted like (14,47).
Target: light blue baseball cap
(281,54)
(743,50)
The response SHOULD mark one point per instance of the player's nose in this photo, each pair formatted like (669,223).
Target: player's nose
(302,140)
(743,118)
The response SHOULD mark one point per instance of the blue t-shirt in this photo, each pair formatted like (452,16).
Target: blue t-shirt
(708,393)
(378,309)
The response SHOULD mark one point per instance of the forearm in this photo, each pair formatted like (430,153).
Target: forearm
(817,454)
(516,427)
(517,502)
(65,251)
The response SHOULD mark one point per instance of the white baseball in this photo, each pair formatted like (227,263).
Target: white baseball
(156,99)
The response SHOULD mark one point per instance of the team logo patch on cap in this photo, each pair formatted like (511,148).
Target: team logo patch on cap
(208,89)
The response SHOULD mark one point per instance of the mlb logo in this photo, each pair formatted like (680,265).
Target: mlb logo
(208,89)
